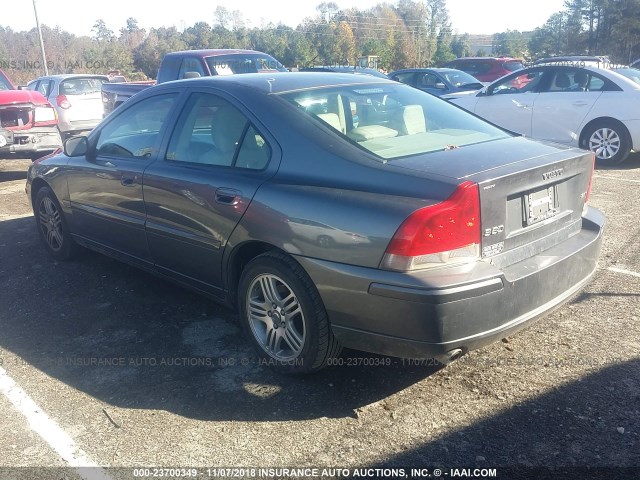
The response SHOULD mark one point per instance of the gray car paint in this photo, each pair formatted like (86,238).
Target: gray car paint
(369,198)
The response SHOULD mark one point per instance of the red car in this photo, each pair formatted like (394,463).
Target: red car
(28,122)
(486,69)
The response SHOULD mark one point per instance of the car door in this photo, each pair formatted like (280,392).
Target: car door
(215,160)
(105,185)
(568,96)
(509,102)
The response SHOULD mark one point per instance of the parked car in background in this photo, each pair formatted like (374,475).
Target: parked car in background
(486,69)
(437,81)
(346,69)
(631,73)
(28,122)
(77,99)
(448,233)
(591,108)
(193,64)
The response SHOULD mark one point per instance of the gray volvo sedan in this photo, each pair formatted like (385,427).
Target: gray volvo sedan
(331,210)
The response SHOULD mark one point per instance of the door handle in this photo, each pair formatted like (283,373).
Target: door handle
(129,181)
(228,196)
(580,104)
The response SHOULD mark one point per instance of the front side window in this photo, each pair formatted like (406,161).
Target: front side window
(405,77)
(394,120)
(523,83)
(429,80)
(134,133)
(211,131)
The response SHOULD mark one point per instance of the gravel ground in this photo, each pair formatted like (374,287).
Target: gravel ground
(564,392)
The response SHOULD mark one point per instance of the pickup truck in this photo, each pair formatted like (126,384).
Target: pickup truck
(28,122)
(191,64)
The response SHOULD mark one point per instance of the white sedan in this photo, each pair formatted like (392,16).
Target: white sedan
(587,107)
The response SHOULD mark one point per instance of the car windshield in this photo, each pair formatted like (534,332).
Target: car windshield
(459,78)
(4,83)
(81,85)
(243,63)
(393,121)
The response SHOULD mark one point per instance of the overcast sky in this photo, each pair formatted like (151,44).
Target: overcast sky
(470,16)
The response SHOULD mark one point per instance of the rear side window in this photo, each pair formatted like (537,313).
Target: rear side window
(211,131)
(512,66)
(473,67)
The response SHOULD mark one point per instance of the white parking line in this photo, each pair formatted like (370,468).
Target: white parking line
(623,271)
(611,177)
(50,431)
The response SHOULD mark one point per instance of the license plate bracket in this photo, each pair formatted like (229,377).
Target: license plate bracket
(540,205)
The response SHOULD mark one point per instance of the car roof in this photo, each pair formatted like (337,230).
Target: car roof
(213,52)
(287,81)
(437,70)
(487,58)
(67,76)
(575,58)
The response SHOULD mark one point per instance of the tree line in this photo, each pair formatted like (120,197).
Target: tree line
(409,33)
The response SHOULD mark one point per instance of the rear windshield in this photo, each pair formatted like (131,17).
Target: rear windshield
(513,66)
(630,73)
(393,121)
(81,85)
(243,63)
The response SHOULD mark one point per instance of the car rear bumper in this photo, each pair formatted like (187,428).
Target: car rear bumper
(34,140)
(78,126)
(428,314)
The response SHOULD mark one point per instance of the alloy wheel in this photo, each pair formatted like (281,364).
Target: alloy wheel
(276,317)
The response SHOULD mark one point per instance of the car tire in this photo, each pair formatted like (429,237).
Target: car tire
(52,225)
(609,140)
(283,316)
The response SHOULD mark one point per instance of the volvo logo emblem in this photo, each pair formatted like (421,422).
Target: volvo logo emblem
(552,174)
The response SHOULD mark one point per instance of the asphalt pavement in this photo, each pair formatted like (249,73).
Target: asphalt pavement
(107,366)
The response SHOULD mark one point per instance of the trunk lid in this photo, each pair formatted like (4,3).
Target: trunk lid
(532,194)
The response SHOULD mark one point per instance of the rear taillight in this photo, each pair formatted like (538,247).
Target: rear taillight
(45,116)
(445,233)
(593,167)
(62,101)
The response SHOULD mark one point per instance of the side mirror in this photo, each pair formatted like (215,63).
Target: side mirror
(483,92)
(440,86)
(23,87)
(76,146)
